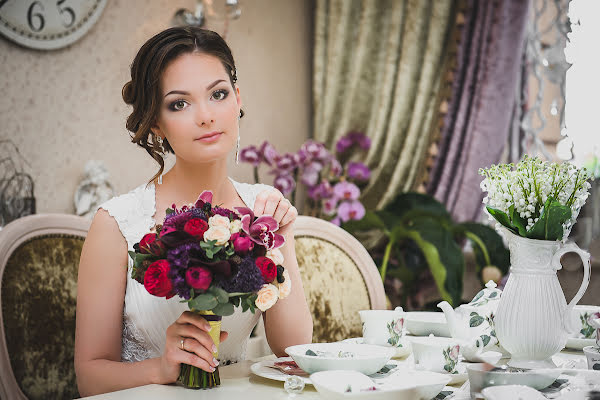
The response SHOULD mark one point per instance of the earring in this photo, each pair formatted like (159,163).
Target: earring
(159,140)
(237,151)
(159,179)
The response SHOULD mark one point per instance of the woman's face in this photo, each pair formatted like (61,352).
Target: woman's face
(199,108)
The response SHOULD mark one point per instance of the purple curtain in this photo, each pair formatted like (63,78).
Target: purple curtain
(483,107)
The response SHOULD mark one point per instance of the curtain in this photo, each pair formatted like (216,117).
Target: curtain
(378,67)
(484,110)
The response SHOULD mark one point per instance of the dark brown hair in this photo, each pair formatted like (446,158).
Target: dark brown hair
(143,90)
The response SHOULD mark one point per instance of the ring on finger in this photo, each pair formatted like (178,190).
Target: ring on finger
(182,344)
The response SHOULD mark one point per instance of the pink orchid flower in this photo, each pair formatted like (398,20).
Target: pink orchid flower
(205,197)
(262,230)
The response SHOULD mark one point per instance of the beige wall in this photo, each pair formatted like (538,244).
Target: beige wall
(64,107)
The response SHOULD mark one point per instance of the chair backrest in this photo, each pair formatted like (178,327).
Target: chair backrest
(39,258)
(339,278)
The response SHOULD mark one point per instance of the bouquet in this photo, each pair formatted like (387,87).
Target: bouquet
(214,259)
(333,182)
(535,199)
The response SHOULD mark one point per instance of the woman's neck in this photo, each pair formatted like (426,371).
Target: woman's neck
(186,181)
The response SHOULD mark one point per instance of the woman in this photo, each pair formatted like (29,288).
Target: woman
(185,101)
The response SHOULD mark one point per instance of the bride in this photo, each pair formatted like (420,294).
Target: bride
(185,101)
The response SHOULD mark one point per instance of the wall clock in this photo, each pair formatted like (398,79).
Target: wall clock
(48,24)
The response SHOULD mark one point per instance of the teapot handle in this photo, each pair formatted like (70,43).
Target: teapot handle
(585,258)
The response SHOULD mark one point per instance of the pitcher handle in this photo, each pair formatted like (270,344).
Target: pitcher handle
(585,258)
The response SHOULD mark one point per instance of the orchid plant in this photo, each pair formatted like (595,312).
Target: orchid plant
(333,182)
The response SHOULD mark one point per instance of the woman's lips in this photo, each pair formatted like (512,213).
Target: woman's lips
(211,137)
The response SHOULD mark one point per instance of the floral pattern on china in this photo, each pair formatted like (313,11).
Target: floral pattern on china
(395,330)
(474,322)
(451,358)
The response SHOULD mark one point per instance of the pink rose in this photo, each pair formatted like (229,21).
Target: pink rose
(198,277)
(196,227)
(156,280)
(454,353)
(242,244)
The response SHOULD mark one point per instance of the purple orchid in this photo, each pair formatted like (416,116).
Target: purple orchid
(360,139)
(321,191)
(268,153)
(285,183)
(336,221)
(312,150)
(205,197)
(262,230)
(330,205)
(310,174)
(351,210)
(335,167)
(251,155)
(346,191)
(286,162)
(343,144)
(358,171)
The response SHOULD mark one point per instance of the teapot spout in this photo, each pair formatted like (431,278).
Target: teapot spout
(451,317)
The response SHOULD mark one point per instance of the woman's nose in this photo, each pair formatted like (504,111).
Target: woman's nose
(203,116)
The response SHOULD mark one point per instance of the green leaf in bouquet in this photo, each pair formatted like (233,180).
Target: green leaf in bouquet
(501,217)
(169,211)
(235,301)
(223,309)
(132,254)
(369,221)
(221,295)
(205,301)
(549,226)
(519,222)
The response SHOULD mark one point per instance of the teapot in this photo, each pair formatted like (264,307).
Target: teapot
(473,323)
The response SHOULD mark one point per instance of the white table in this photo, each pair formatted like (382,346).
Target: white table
(238,382)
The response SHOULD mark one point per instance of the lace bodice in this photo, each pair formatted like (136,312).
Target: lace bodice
(146,317)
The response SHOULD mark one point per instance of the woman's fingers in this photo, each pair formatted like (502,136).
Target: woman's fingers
(191,345)
(282,208)
(289,217)
(188,317)
(186,357)
(201,337)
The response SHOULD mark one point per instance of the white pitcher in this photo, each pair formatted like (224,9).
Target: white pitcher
(533,320)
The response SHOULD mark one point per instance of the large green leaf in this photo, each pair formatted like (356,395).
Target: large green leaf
(444,257)
(205,301)
(221,295)
(497,252)
(223,309)
(519,222)
(501,217)
(411,201)
(549,226)
(370,221)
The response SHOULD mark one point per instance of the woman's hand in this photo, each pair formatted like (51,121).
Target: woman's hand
(272,202)
(188,342)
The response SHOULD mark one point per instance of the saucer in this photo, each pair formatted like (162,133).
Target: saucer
(455,379)
(579,343)
(403,351)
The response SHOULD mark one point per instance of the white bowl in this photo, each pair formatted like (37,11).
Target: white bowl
(511,392)
(367,359)
(485,375)
(353,385)
(423,323)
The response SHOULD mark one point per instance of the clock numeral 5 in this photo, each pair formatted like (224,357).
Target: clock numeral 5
(36,20)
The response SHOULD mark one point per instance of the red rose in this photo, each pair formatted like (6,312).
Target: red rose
(156,280)
(242,244)
(149,245)
(198,277)
(196,227)
(268,269)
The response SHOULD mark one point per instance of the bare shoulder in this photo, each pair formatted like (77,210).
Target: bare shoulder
(104,240)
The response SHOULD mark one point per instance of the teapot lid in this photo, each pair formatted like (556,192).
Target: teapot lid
(489,293)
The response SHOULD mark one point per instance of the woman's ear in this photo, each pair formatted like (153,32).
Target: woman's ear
(238,98)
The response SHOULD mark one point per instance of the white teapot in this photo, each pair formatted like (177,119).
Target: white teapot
(473,323)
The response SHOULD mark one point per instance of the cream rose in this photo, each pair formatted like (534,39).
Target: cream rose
(235,226)
(218,220)
(267,297)
(276,256)
(219,233)
(286,287)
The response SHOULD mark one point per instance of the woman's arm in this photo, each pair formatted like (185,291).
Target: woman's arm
(289,321)
(101,288)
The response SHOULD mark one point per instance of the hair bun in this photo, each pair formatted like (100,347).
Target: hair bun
(128,93)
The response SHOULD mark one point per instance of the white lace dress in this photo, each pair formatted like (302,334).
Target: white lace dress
(146,317)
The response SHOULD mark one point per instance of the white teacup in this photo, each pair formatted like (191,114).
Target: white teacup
(436,354)
(383,327)
(579,317)
(593,357)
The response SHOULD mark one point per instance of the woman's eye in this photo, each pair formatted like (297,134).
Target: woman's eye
(178,105)
(220,94)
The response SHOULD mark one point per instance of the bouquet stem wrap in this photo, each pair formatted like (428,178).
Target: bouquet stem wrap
(194,377)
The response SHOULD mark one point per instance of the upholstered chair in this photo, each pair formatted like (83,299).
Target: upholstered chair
(39,257)
(339,278)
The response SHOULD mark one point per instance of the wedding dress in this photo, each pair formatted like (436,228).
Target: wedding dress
(146,317)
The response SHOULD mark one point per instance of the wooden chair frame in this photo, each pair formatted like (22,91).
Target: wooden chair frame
(11,237)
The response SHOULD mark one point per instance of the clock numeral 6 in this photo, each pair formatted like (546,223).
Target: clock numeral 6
(36,20)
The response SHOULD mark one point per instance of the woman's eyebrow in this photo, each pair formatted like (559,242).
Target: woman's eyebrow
(182,92)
